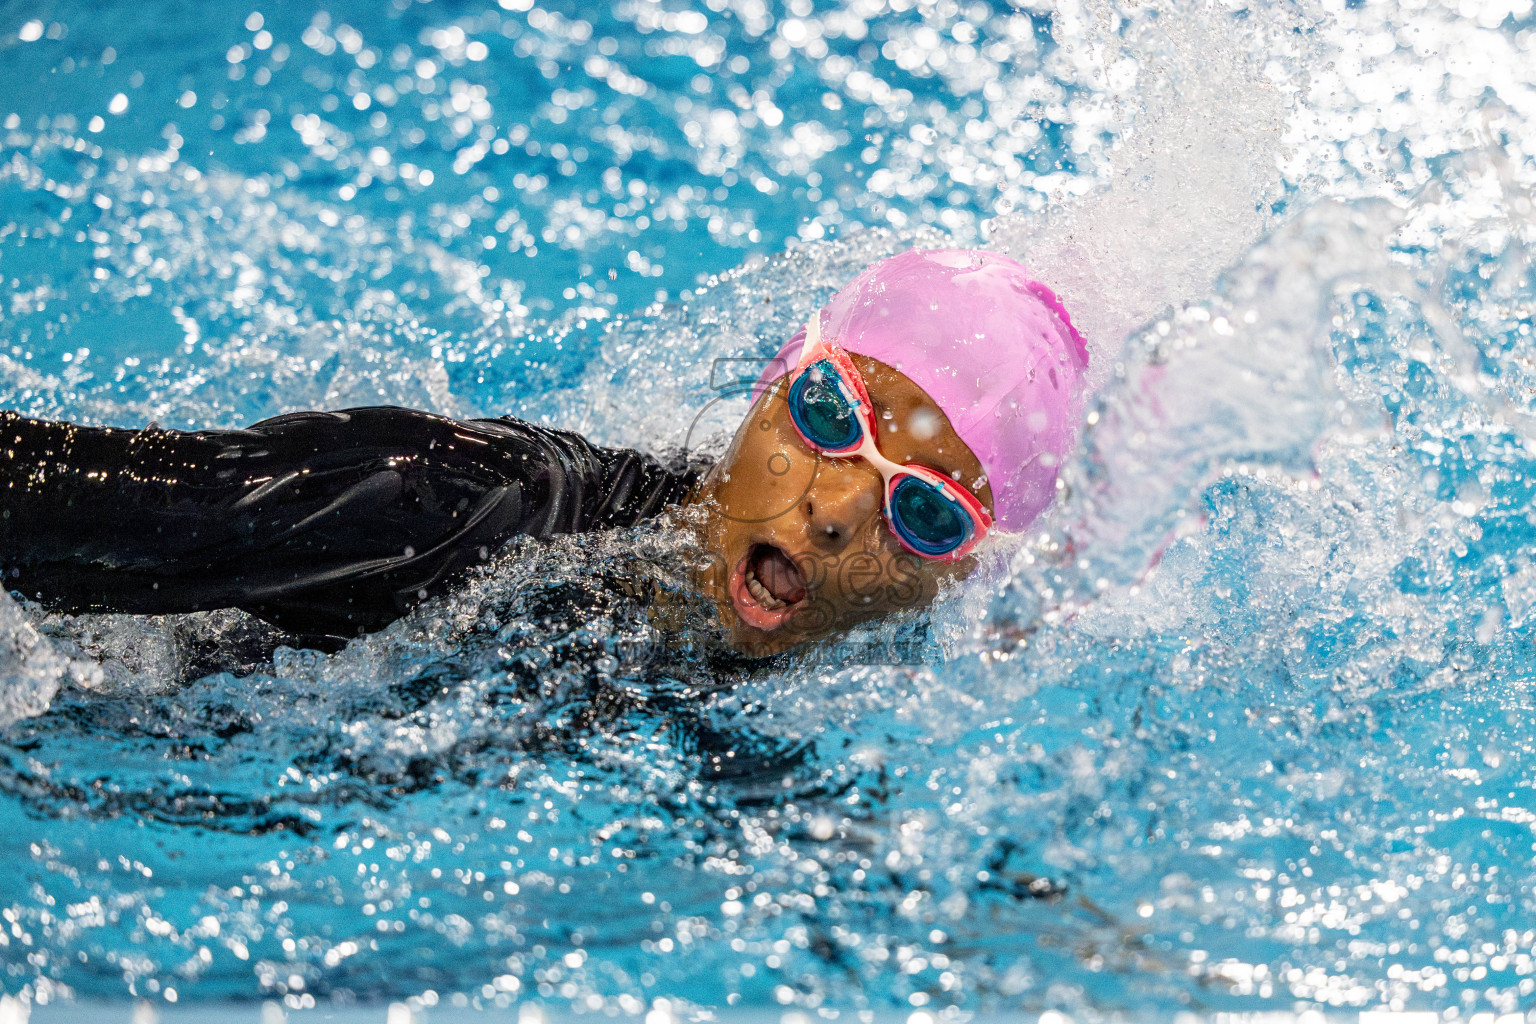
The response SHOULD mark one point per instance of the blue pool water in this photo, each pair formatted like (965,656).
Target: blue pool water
(1247,725)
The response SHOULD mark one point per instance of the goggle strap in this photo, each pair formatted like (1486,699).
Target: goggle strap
(812,337)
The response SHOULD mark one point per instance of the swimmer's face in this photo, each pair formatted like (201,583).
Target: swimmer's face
(799,545)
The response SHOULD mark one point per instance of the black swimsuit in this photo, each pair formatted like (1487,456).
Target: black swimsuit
(325,524)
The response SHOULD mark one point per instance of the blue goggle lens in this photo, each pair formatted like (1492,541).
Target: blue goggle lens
(928,520)
(820,411)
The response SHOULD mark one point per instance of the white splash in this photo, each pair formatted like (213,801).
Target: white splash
(1187,191)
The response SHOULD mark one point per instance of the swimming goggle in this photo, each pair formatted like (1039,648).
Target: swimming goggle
(931,515)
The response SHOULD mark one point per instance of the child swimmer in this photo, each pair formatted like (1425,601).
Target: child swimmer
(929,402)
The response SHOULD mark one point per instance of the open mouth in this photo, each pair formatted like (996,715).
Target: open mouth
(767,587)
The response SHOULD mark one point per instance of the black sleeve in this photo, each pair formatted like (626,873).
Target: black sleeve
(323,523)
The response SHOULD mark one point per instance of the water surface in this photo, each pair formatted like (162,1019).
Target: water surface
(1247,723)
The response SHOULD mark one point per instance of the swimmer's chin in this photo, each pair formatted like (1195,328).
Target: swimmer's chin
(753,642)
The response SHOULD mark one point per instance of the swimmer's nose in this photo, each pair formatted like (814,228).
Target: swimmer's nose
(839,506)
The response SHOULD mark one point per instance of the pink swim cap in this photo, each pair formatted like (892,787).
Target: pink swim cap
(994,349)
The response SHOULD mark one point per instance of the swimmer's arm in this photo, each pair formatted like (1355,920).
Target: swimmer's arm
(595,488)
(331,523)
